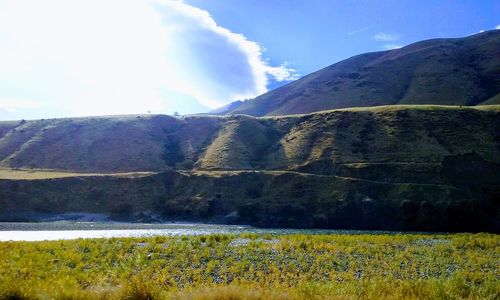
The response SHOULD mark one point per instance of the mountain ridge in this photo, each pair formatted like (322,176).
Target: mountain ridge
(158,142)
(454,71)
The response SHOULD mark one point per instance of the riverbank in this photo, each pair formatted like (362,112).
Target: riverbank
(250,266)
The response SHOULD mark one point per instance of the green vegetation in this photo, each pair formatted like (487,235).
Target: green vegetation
(463,71)
(459,266)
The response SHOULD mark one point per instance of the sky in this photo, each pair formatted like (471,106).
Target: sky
(69,58)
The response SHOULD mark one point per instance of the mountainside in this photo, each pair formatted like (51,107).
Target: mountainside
(388,134)
(393,167)
(104,144)
(459,71)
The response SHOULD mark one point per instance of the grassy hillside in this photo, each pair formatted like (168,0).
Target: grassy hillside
(462,71)
(347,137)
(104,144)
(393,167)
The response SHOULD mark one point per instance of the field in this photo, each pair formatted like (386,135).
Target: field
(381,266)
(34,174)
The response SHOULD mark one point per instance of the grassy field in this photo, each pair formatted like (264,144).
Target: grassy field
(22,174)
(402,266)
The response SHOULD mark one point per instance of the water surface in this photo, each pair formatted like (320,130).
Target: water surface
(63,230)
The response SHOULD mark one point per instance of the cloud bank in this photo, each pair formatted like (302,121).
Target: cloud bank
(71,58)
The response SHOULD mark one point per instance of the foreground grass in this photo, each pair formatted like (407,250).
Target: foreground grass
(254,267)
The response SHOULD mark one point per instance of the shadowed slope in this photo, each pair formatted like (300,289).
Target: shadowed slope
(462,71)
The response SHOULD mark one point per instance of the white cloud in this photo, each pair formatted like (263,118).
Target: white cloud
(283,72)
(497,27)
(392,46)
(385,37)
(11,108)
(108,57)
(13,105)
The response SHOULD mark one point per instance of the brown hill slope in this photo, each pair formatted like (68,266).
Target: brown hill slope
(392,167)
(388,135)
(103,144)
(460,71)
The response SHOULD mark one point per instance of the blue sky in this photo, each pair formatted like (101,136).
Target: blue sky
(311,34)
(73,58)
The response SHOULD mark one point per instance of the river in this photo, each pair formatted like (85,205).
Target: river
(64,230)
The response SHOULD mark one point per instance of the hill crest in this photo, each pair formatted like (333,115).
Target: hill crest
(454,71)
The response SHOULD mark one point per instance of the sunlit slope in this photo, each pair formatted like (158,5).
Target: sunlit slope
(317,143)
(242,143)
(460,71)
(102,144)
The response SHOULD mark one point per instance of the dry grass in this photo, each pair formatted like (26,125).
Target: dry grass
(399,133)
(459,266)
(28,174)
(397,107)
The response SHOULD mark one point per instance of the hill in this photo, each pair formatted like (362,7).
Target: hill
(391,167)
(458,71)
(103,144)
